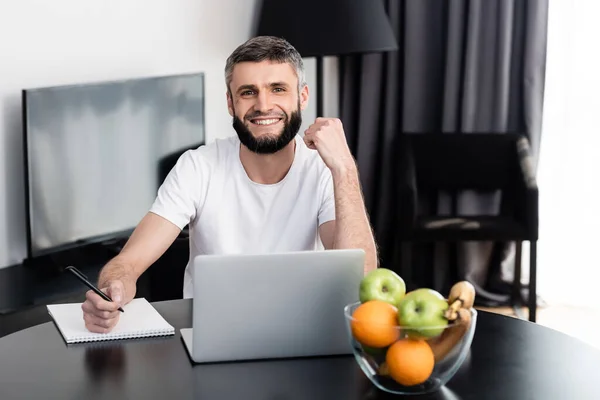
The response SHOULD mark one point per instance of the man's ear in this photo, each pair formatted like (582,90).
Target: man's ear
(229,103)
(304,97)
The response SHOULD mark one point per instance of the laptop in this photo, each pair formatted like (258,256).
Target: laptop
(272,306)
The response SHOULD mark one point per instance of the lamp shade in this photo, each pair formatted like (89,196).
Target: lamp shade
(328,27)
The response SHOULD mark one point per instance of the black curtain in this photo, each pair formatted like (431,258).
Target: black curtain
(462,66)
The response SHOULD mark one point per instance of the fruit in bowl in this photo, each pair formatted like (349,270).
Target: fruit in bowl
(421,312)
(382,284)
(417,353)
(374,324)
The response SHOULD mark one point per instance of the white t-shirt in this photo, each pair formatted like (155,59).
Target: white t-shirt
(228,213)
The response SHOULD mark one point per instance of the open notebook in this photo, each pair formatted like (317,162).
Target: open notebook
(139,320)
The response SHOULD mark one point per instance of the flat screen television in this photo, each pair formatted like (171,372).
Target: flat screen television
(96,153)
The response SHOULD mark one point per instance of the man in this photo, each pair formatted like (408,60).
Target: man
(266,190)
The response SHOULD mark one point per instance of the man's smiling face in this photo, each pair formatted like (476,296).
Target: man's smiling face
(266,103)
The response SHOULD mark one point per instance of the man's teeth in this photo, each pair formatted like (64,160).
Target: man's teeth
(265,121)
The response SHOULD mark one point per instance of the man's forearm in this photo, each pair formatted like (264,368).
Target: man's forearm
(352,227)
(119,269)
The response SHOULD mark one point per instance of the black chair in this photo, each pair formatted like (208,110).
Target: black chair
(430,163)
(166,163)
(165,277)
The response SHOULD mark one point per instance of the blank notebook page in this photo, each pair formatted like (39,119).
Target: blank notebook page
(139,320)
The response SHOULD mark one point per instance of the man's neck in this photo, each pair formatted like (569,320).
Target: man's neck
(268,169)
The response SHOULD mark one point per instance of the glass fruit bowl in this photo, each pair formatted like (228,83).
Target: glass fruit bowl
(403,360)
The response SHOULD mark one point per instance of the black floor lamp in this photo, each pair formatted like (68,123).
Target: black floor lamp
(318,28)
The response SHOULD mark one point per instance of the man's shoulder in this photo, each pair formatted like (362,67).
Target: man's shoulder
(214,152)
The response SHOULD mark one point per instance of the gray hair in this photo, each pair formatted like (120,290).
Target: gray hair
(263,48)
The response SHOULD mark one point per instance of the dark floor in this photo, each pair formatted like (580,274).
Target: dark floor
(26,289)
(24,295)
(33,315)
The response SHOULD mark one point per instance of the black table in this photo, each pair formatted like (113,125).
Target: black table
(509,359)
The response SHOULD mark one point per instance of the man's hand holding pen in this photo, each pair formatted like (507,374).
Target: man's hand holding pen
(100,315)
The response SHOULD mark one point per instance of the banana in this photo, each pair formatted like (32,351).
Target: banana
(443,344)
(460,300)
(462,295)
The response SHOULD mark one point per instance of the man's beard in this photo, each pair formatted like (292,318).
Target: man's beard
(268,144)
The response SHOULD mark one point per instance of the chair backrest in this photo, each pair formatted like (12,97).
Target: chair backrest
(166,163)
(453,161)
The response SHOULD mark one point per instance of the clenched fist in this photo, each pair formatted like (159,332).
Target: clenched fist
(326,135)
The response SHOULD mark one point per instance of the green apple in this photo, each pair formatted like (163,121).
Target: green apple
(378,354)
(382,284)
(421,313)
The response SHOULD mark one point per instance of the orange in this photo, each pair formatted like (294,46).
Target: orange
(410,362)
(375,323)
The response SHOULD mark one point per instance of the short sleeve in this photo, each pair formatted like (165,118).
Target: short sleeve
(327,208)
(178,196)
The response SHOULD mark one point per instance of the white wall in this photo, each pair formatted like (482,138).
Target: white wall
(57,42)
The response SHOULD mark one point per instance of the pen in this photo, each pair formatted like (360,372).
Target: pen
(84,279)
